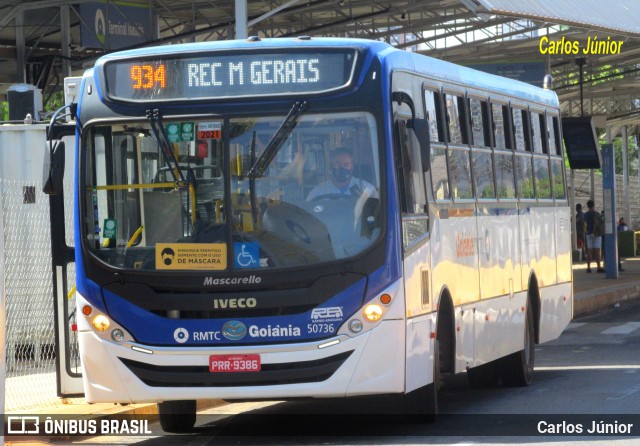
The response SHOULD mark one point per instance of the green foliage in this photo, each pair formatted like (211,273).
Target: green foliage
(632,155)
(544,188)
(55,101)
(526,188)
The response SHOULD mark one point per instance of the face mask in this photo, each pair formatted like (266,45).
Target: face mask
(341,174)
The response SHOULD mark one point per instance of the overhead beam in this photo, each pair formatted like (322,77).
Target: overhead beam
(241,19)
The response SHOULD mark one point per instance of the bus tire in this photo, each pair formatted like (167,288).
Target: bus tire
(517,368)
(421,405)
(177,416)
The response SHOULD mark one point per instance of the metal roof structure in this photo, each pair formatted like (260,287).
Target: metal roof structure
(40,40)
(619,16)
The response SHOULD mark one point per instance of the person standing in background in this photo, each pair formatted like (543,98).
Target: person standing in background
(622,226)
(580,229)
(594,235)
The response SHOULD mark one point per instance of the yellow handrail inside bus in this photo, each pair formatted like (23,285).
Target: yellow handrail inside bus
(133,186)
(134,236)
(192,199)
(218,211)
(71,293)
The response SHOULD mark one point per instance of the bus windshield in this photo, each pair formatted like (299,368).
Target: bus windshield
(196,201)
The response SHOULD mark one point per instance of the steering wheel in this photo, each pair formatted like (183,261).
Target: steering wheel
(333,197)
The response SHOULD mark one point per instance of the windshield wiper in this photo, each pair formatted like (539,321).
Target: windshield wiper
(260,166)
(155,121)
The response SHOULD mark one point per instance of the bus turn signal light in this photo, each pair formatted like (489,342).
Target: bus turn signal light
(87,310)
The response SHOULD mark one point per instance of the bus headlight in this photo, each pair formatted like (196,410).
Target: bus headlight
(372,312)
(101,323)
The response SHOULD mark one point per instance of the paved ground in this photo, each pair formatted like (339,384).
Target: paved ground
(592,292)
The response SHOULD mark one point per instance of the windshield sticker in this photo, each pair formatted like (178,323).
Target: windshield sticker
(209,130)
(109,228)
(191,256)
(179,131)
(246,255)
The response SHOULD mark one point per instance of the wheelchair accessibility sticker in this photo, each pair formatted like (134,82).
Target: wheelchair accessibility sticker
(246,255)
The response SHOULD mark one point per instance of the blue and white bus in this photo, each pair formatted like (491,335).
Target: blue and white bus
(310,217)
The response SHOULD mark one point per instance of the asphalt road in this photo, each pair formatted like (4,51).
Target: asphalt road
(591,374)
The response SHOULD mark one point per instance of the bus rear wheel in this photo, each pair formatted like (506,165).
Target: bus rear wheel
(177,416)
(517,368)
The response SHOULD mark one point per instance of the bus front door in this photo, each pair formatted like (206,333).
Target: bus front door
(68,367)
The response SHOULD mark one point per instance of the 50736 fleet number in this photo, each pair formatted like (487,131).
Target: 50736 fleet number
(320,328)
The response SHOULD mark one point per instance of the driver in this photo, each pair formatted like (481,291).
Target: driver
(342,181)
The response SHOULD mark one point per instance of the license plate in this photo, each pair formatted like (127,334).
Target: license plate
(234,363)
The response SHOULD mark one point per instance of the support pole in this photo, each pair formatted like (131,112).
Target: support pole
(3,319)
(609,205)
(241,19)
(21,63)
(65,40)
(625,176)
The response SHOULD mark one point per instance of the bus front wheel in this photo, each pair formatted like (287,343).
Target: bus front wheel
(177,416)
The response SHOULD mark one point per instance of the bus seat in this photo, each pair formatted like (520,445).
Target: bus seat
(163,218)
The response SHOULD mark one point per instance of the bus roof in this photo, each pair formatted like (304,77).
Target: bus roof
(393,58)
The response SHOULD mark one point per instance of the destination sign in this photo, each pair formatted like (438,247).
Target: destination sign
(222,75)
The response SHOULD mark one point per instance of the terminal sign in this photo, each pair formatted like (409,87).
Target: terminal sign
(212,76)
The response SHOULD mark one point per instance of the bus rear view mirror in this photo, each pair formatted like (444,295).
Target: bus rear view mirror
(53,169)
(421,130)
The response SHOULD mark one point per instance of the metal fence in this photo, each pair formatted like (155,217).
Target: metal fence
(583,193)
(30,379)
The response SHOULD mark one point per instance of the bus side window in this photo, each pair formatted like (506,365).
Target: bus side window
(439,174)
(403,168)
(501,134)
(479,114)
(537,130)
(506,187)
(521,129)
(557,179)
(524,177)
(413,203)
(541,173)
(460,171)
(483,173)
(553,135)
(433,114)
(456,121)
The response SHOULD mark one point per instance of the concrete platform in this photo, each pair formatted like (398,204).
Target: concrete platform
(592,292)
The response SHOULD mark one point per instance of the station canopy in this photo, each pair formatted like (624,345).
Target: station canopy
(43,40)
